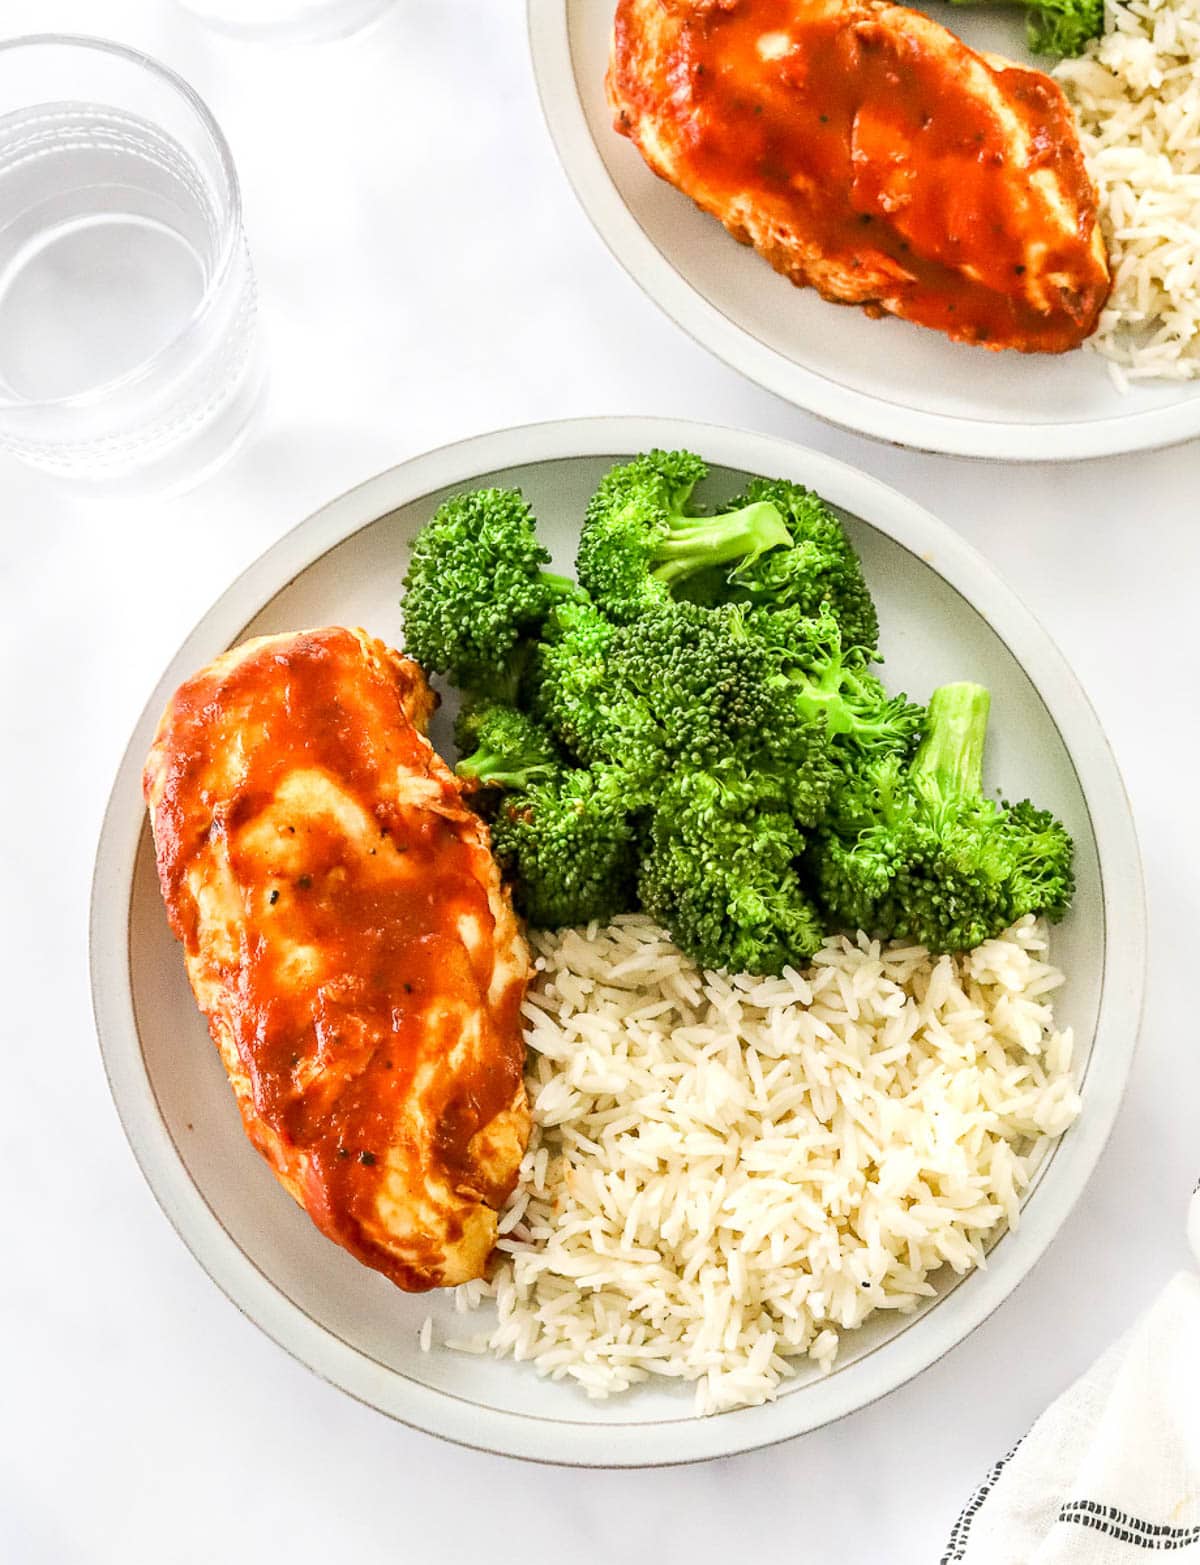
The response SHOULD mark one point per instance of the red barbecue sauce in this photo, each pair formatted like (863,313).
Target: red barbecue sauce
(881,155)
(331,1057)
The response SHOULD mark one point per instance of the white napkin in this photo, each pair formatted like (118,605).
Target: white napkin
(1110,1473)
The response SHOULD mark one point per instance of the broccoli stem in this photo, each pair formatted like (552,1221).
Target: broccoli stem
(949,760)
(560,586)
(493,769)
(696,542)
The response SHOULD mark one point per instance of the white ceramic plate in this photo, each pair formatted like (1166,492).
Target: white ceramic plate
(945,615)
(887,378)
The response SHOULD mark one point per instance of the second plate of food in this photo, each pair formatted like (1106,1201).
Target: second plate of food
(713,94)
(755,1198)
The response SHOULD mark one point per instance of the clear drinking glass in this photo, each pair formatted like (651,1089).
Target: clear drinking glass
(310,20)
(127,298)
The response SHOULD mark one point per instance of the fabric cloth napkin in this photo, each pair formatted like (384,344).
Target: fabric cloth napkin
(1110,1473)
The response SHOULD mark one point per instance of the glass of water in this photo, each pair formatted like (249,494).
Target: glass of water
(127,298)
(310,20)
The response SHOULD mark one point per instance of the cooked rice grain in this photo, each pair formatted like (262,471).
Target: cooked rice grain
(726,1173)
(1136,96)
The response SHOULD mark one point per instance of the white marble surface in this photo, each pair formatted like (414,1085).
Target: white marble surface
(426,274)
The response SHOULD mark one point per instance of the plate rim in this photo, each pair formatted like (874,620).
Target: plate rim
(820,1402)
(860,412)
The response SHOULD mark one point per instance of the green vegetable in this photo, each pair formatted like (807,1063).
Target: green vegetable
(819,568)
(500,747)
(719,871)
(683,686)
(698,729)
(476,588)
(701,687)
(1062,27)
(640,540)
(920,853)
(568,846)
(833,684)
(571,689)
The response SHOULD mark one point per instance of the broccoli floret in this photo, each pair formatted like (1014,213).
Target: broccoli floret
(1062,27)
(698,673)
(568,845)
(476,587)
(639,539)
(820,566)
(860,851)
(500,747)
(681,684)
(719,872)
(570,684)
(710,688)
(918,852)
(835,684)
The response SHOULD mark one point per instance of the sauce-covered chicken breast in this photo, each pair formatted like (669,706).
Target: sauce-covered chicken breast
(348,940)
(865,150)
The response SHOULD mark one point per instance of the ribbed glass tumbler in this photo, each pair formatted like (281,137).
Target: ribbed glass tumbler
(127,296)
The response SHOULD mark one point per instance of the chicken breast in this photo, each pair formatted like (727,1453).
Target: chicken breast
(864,150)
(347,938)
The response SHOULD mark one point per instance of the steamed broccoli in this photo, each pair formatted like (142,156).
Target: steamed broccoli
(819,568)
(719,872)
(570,684)
(500,747)
(568,846)
(687,685)
(1062,27)
(475,588)
(700,732)
(679,686)
(829,682)
(705,686)
(640,540)
(919,852)
(696,674)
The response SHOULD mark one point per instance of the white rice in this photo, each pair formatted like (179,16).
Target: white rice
(727,1173)
(1136,95)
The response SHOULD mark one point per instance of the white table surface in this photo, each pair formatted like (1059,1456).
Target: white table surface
(426,274)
